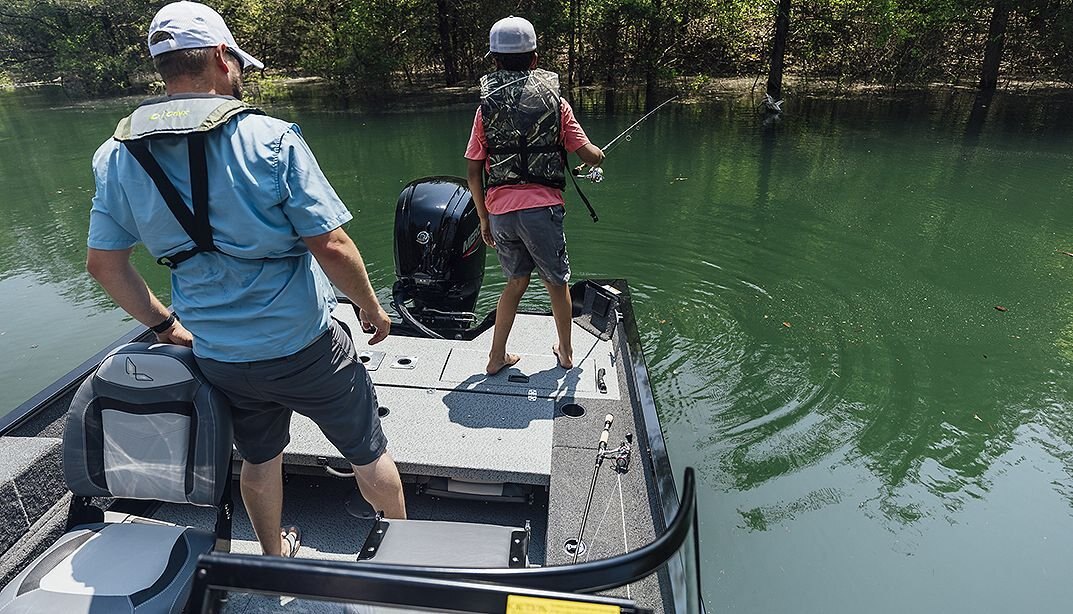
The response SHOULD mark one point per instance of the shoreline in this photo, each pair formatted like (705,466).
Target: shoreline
(428,94)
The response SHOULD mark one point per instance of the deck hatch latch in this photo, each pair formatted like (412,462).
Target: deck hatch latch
(375,538)
(519,547)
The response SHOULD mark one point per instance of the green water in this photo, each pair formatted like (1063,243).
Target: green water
(817,301)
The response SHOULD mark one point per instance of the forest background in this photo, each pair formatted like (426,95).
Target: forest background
(385,47)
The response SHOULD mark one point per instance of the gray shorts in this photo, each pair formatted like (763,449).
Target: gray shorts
(532,238)
(325,382)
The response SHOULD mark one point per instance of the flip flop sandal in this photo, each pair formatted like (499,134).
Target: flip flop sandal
(293,536)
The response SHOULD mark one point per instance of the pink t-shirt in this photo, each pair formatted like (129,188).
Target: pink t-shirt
(506,198)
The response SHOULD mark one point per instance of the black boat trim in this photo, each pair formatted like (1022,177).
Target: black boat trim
(653,446)
(587,577)
(248,572)
(335,580)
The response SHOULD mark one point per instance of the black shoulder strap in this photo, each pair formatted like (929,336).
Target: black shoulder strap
(199,190)
(584,199)
(196,223)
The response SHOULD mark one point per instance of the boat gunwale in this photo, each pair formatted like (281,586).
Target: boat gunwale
(640,390)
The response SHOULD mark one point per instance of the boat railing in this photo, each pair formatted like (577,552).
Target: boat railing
(361,582)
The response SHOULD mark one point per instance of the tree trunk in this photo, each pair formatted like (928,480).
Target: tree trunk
(655,37)
(575,10)
(778,50)
(996,39)
(450,69)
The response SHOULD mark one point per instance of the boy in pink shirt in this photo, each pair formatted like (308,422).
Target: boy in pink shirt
(521,134)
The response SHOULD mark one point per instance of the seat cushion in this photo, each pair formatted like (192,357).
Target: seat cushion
(111,567)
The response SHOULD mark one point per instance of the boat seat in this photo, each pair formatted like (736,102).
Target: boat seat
(436,543)
(145,425)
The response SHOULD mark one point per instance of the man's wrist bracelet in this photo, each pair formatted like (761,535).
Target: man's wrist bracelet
(165,325)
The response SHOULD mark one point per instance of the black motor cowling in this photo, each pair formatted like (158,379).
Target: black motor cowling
(439,256)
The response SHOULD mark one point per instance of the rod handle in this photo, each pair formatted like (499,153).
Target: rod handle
(608,419)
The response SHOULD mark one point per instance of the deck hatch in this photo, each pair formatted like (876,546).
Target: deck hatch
(464,435)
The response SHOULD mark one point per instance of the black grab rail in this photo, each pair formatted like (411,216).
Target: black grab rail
(305,577)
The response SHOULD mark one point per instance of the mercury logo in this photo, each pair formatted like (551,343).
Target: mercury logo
(132,370)
(471,244)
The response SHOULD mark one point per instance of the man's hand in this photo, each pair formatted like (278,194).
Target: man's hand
(177,335)
(378,324)
(486,233)
(339,258)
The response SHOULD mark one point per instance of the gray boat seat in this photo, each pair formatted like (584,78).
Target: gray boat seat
(146,425)
(436,543)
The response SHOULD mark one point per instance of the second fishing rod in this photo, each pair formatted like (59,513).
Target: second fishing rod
(622,465)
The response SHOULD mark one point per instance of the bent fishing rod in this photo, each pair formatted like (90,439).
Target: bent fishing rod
(596,174)
(611,145)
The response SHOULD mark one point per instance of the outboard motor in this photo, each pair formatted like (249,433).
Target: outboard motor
(439,256)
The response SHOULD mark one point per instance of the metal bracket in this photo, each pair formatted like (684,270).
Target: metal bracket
(371,359)
(404,362)
(375,538)
(519,547)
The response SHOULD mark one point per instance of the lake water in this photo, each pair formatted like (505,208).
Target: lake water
(819,301)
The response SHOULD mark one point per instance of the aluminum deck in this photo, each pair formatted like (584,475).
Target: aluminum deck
(447,418)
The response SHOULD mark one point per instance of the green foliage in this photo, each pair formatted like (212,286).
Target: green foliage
(379,46)
(93,46)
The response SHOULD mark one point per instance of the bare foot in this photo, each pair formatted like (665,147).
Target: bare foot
(566,360)
(495,366)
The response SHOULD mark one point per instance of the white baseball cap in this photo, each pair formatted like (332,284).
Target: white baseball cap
(512,35)
(193,25)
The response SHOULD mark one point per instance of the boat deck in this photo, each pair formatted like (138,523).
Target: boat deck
(446,418)
(447,421)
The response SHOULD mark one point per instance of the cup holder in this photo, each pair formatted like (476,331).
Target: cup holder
(383,412)
(572,410)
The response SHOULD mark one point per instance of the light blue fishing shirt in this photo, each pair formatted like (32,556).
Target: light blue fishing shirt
(266,191)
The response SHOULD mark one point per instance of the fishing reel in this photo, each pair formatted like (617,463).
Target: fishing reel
(621,457)
(594,174)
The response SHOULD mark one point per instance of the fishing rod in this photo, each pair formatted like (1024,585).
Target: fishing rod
(611,145)
(596,174)
(600,449)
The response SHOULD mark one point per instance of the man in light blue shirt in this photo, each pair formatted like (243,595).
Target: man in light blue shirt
(235,203)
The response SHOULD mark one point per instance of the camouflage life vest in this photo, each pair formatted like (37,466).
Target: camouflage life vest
(192,115)
(523,126)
